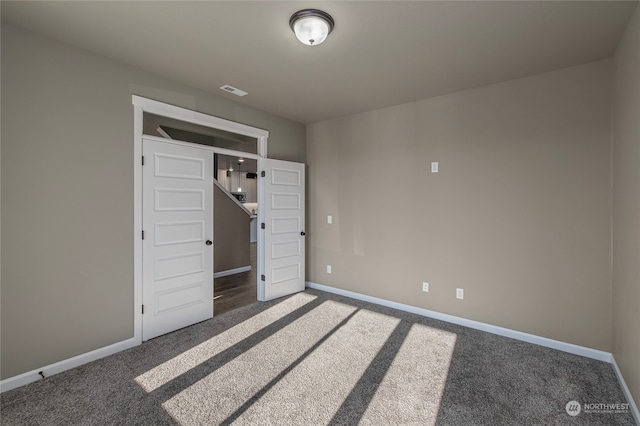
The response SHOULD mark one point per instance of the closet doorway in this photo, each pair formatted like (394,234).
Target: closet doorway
(276,263)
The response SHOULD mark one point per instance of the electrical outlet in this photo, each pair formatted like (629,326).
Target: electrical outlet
(459,293)
(329,219)
(425,287)
(328,269)
(434,167)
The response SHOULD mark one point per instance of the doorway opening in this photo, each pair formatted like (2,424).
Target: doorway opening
(235,206)
(235,228)
(173,194)
(225,140)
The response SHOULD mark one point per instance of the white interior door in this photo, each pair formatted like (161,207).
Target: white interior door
(284,220)
(177,249)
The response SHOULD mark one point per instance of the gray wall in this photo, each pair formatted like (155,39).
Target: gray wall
(519,215)
(231,233)
(626,206)
(67,193)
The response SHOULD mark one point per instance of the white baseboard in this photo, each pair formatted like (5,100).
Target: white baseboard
(626,391)
(232,271)
(67,364)
(518,335)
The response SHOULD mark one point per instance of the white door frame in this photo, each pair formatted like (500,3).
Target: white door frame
(142,105)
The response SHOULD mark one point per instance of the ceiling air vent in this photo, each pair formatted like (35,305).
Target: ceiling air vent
(233,90)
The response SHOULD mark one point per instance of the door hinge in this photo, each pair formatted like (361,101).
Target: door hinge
(263,226)
(143,160)
(142,309)
(143,235)
(263,278)
(263,173)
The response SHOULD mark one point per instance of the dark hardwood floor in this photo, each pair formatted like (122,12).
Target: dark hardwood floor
(237,290)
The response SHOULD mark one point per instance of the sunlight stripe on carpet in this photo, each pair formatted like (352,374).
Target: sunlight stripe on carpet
(413,386)
(217,396)
(312,393)
(193,357)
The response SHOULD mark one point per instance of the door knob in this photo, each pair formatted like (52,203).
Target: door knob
(302,233)
(209,242)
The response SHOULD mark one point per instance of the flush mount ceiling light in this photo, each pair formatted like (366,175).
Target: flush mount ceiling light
(312,26)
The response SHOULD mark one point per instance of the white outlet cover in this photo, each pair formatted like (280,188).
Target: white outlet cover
(425,287)
(434,167)
(328,269)
(329,219)
(459,293)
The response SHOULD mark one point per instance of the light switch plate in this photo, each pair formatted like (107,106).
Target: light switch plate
(328,269)
(329,219)
(434,167)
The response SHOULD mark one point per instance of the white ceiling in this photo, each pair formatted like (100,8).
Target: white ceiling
(381,53)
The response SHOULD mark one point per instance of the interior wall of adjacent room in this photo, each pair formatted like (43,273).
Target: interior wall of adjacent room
(231,233)
(67,193)
(518,216)
(626,206)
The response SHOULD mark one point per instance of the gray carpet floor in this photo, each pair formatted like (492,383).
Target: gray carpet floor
(315,358)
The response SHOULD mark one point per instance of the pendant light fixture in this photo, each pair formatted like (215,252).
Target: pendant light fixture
(240,175)
(311,26)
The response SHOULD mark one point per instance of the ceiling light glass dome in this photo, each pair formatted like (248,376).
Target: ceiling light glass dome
(311,26)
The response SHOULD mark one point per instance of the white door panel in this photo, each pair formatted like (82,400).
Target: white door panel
(178,221)
(284,218)
(179,232)
(179,199)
